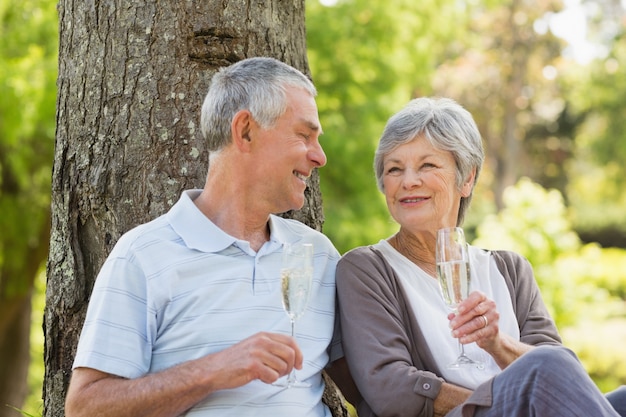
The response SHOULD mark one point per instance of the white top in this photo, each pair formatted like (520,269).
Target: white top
(178,288)
(424,296)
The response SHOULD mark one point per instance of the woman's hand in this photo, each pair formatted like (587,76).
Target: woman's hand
(477,321)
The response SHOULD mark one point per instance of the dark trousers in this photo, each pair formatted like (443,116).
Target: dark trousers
(617,399)
(547,381)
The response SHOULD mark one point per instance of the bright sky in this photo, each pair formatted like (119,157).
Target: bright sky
(571,25)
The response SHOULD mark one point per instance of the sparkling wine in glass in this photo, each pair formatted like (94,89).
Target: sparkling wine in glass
(453,271)
(296,275)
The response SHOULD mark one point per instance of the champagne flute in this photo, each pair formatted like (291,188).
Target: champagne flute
(453,270)
(296,275)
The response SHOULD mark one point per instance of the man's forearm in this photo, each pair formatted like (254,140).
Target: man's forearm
(166,394)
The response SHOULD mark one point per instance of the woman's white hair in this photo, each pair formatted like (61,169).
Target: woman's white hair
(447,126)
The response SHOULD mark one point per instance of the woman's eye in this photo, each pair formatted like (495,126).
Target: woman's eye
(393,170)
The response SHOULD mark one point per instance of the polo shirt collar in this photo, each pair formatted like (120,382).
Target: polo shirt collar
(194,228)
(284,231)
(200,233)
(279,233)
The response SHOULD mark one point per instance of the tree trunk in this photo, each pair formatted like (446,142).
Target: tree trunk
(132,78)
(23,260)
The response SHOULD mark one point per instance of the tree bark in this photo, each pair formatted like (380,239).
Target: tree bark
(132,78)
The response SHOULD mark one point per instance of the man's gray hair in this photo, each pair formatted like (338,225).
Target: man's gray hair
(254,84)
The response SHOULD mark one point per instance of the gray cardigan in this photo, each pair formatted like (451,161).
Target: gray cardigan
(384,346)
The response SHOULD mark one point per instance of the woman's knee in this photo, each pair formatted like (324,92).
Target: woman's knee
(617,398)
(551,356)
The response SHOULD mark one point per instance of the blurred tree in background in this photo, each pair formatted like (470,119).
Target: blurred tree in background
(368,59)
(543,115)
(28,57)
(583,285)
(502,81)
(534,105)
(598,171)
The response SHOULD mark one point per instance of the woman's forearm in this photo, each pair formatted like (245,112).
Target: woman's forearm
(449,397)
(507,350)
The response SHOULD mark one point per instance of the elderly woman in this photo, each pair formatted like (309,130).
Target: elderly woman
(398,334)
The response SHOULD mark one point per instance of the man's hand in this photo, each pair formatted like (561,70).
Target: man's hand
(264,356)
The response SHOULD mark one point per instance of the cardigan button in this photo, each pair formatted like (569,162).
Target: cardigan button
(426,386)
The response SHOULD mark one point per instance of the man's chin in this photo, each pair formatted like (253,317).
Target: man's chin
(294,207)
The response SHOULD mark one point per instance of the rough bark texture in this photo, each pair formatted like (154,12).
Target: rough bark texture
(132,77)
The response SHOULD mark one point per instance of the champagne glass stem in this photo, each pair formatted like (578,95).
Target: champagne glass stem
(461,346)
(453,271)
(292,375)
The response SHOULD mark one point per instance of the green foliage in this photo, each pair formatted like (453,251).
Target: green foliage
(584,286)
(36,370)
(536,224)
(599,345)
(28,72)
(28,56)
(610,267)
(22,412)
(498,76)
(597,93)
(596,195)
(368,59)
(601,99)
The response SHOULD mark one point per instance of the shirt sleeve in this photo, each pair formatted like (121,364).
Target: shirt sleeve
(535,323)
(115,336)
(377,342)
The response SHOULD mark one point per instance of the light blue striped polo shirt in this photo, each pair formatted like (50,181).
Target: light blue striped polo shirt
(178,288)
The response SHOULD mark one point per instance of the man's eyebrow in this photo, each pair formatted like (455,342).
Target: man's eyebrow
(314,127)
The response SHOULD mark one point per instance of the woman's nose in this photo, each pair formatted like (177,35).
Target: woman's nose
(411,179)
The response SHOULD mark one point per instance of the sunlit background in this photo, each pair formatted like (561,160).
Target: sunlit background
(545,81)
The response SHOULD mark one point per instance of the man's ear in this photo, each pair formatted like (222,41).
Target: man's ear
(240,128)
